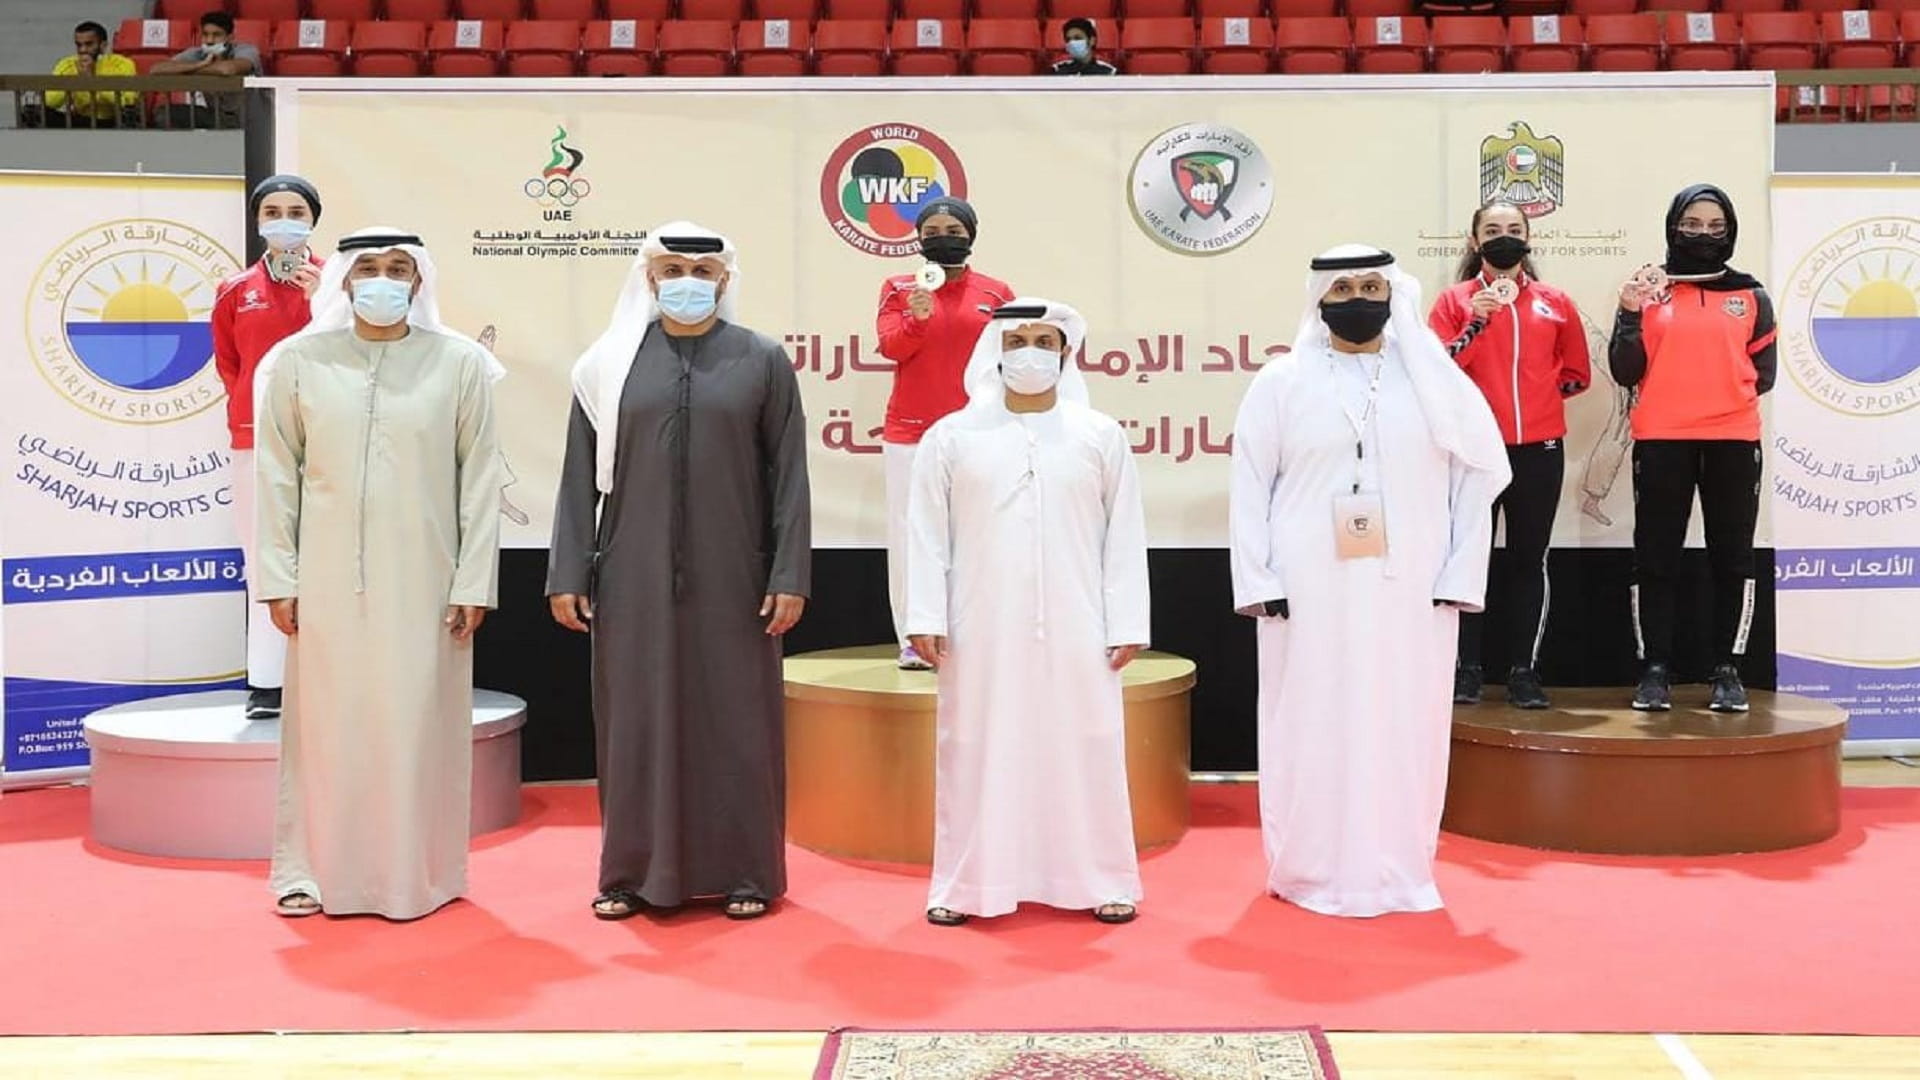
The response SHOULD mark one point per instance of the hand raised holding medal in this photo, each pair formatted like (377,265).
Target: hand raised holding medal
(929,277)
(1648,285)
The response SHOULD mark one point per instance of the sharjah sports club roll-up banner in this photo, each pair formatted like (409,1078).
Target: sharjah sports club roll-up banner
(1846,448)
(1178,215)
(121,577)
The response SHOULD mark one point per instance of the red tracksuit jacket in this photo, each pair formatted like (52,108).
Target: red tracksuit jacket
(251,314)
(930,358)
(1522,357)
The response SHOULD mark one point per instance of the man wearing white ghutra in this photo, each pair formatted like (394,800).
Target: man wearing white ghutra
(1359,532)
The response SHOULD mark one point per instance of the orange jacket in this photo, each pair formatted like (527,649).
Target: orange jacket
(1699,360)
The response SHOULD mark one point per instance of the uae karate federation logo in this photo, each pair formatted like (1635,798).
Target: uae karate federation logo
(877,181)
(1850,318)
(119,320)
(557,184)
(1524,169)
(1201,189)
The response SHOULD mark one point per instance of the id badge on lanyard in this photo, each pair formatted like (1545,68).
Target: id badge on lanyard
(1359,521)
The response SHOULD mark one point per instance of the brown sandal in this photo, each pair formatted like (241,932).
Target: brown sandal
(1116,913)
(945,917)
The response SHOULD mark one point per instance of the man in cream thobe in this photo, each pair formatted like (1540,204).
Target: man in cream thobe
(1365,466)
(379,516)
(1027,588)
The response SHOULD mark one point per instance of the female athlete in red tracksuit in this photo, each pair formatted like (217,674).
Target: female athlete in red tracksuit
(1699,354)
(929,336)
(1527,357)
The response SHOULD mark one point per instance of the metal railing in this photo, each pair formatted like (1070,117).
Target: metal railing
(1836,95)
(139,102)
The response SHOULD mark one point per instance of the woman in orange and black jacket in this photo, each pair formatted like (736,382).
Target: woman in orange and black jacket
(1698,353)
(1523,344)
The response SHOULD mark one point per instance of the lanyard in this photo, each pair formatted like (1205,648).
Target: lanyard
(1363,421)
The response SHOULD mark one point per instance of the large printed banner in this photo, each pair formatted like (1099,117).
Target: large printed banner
(1846,483)
(1178,216)
(121,579)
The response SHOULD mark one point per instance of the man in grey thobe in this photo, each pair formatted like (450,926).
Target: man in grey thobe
(682,539)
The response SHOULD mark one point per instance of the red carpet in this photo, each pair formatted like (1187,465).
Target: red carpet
(1816,941)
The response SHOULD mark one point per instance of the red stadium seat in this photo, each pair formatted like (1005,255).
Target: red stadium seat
(1316,45)
(1390,45)
(955,10)
(1624,42)
(580,11)
(465,48)
(797,11)
(692,48)
(1546,43)
(1236,46)
(425,11)
(1895,5)
(773,47)
(1062,10)
(149,41)
(389,49)
(654,11)
(349,11)
(190,10)
(1009,9)
(1361,10)
(859,10)
(1820,7)
(1469,44)
(1781,40)
(547,48)
(1683,7)
(1512,8)
(1751,7)
(1861,39)
(849,47)
(1248,9)
(1304,9)
(1158,9)
(1157,46)
(1703,42)
(313,47)
(1587,8)
(500,11)
(620,47)
(727,11)
(928,48)
(270,10)
(1910,33)
(255,32)
(1005,47)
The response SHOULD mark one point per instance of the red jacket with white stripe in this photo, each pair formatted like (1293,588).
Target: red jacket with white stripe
(1527,359)
(930,356)
(251,314)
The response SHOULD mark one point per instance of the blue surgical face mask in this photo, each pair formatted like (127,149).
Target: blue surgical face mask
(285,234)
(382,301)
(1079,48)
(689,301)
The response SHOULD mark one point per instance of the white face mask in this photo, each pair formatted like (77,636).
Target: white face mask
(1030,370)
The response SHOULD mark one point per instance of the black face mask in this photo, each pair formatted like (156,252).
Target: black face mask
(1504,252)
(947,250)
(1698,254)
(1356,322)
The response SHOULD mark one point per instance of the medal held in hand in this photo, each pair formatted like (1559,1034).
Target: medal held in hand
(930,276)
(1505,291)
(1652,281)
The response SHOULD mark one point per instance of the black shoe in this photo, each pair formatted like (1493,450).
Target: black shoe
(1729,695)
(1655,693)
(1524,690)
(263,704)
(1467,681)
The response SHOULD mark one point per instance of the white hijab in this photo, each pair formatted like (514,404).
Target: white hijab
(332,307)
(986,392)
(600,375)
(1452,405)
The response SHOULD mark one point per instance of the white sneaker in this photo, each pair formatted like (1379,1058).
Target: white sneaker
(913,661)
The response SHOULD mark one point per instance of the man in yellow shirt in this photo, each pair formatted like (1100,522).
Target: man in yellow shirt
(90,57)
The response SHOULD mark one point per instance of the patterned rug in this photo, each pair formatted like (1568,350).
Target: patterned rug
(1280,1054)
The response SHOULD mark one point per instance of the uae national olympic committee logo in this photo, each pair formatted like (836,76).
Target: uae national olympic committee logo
(878,179)
(557,184)
(1201,189)
(1850,318)
(119,320)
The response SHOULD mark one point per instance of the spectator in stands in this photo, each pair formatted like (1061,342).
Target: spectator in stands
(217,54)
(82,108)
(1083,43)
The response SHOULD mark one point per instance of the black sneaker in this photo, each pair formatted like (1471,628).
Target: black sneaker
(1655,693)
(1729,695)
(1467,682)
(1524,690)
(263,704)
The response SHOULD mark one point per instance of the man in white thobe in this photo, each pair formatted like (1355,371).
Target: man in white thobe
(1027,589)
(379,519)
(1365,466)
